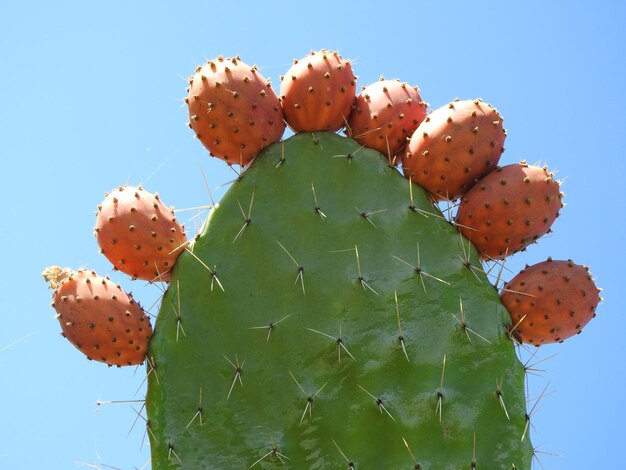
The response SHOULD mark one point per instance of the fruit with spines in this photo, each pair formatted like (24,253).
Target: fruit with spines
(98,317)
(317,92)
(550,301)
(384,116)
(138,234)
(454,146)
(233,110)
(509,209)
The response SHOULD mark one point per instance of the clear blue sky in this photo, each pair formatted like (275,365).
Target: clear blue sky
(90,98)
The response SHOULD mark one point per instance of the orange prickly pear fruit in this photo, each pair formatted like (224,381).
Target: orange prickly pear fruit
(550,302)
(509,209)
(385,115)
(454,146)
(317,92)
(233,110)
(98,317)
(138,234)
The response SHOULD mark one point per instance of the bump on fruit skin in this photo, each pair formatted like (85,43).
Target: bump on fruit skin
(509,209)
(138,234)
(100,319)
(233,110)
(317,92)
(455,146)
(384,116)
(550,302)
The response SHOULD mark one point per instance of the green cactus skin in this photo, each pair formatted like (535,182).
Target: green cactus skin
(278,340)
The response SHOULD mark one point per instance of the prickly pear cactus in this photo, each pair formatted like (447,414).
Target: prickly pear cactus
(328,316)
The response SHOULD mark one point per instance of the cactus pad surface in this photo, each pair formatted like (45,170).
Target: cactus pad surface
(329,316)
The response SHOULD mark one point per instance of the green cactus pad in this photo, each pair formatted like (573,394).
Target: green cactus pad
(328,316)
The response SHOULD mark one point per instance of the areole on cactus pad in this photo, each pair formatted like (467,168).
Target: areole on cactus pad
(327,314)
